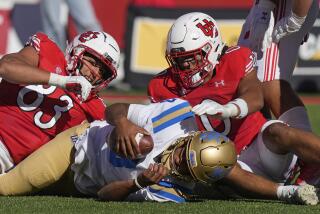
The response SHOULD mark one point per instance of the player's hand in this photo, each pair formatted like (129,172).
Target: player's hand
(152,175)
(125,143)
(77,84)
(260,36)
(213,108)
(286,26)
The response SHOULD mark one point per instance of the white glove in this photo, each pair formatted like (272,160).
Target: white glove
(304,194)
(286,26)
(215,109)
(260,37)
(77,84)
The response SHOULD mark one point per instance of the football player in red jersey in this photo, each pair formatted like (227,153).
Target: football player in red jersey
(221,84)
(44,91)
(203,69)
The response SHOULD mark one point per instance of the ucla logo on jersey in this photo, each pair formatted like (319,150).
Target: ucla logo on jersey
(171,116)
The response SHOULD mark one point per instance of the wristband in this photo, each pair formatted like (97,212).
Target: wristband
(243,107)
(57,80)
(298,20)
(137,183)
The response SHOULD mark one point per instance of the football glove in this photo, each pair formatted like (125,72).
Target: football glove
(286,26)
(260,36)
(76,84)
(215,109)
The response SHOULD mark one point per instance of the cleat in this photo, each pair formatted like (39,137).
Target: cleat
(306,194)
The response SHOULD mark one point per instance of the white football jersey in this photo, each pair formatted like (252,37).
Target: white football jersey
(96,165)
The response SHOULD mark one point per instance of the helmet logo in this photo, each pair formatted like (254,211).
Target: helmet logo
(207,28)
(84,37)
(193,158)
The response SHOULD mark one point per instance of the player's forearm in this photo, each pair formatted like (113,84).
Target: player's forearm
(15,70)
(249,185)
(301,7)
(117,190)
(251,91)
(116,112)
(254,100)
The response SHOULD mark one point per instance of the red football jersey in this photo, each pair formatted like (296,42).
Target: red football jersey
(222,88)
(31,115)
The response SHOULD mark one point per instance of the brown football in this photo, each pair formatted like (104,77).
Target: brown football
(145,143)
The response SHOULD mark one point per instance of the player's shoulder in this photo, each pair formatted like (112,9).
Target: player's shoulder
(238,57)
(237,51)
(39,40)
(158,81)
(161,76)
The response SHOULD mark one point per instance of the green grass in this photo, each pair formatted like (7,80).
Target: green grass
(314,116)
(46,204)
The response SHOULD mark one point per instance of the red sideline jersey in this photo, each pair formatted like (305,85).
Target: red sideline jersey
(222,88)
(31,115)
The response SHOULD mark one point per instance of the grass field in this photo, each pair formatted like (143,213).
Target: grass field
(49,204)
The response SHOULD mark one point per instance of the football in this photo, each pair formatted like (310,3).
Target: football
(145,143)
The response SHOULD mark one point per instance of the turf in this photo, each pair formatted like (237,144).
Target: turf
(46,204)
(314,116)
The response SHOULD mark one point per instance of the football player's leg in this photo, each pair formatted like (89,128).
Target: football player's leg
(280,139)
(84,15)
(278,65)
(42,168)
(50,13)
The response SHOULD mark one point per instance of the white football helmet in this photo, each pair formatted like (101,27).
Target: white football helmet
(191,36)
(99,44)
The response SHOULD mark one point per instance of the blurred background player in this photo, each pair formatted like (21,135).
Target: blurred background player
(81,11)
(33,110)
(275,30)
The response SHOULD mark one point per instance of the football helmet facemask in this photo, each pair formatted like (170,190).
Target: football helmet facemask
(194,45)
(102,47)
